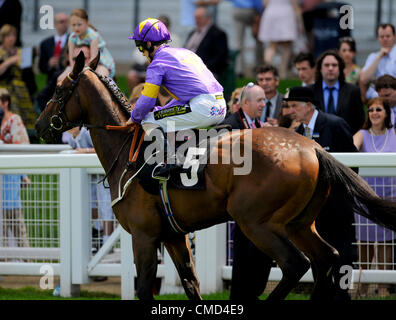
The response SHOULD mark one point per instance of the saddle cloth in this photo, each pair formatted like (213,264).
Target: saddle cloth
(194,156)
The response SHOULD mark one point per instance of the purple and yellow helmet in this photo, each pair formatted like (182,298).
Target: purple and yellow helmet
(151,30)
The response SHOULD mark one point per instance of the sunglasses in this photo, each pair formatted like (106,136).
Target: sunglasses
(249,85)
(376,109)
(139,45)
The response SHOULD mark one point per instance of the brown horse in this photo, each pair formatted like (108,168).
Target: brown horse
(275,205)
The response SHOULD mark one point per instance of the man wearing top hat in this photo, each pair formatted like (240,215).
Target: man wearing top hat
(335,222)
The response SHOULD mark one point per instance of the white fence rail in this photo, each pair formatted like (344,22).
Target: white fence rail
(56,206)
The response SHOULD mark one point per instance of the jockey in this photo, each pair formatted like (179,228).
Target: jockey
(198,100)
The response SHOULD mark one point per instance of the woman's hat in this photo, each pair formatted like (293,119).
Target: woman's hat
(303,94)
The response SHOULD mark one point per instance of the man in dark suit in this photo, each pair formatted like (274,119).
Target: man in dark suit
(52,47)
(334,94)
(267,77)
(209,42)
(335,221)
(250,267)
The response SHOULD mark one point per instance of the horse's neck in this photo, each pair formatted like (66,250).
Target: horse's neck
(103,110)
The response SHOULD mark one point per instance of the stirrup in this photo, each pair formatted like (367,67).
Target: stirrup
(158,167)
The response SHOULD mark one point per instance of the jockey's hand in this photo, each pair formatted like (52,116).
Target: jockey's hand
(130,122)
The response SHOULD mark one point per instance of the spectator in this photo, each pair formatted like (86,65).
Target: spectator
(379,63)
(136,92)
(12,132)
(279,27)
(308,15)
(347,51)
(233,104)
(335,221)
(85,33)
(11,13)
(305,65)
(11,77)
(334,94)
(377,135)
(188,7)
(52,47)
(268,78)
(251,267)
(286,120)
(244,13)
(209,42)
(386,88)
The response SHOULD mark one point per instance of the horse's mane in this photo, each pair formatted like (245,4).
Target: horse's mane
(117,94)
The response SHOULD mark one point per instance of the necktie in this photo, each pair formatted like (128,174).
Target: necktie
(58,49)
(307,132)
(267,110)
(330,102)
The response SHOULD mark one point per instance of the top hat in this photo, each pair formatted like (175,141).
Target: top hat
(303,94)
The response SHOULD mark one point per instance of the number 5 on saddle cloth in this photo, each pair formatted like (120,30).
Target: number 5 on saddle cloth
(187,149)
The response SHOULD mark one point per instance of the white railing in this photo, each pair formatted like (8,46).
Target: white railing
(71,256)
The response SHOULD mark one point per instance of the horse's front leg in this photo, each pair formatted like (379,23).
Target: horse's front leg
(146,262)
(180,252)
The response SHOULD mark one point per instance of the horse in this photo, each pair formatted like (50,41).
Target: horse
(275,205)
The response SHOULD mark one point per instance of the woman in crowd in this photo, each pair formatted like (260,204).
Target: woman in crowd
(11,76)
(347,51)
(279,26)
(233,104)
(12,132)
(377,135)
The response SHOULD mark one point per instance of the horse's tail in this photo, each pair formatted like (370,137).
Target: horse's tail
(350,186)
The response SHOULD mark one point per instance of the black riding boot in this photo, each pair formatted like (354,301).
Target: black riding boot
(164,169)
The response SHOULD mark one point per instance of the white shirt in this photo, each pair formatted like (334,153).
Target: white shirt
(63,39)
(387,65)
(311,123)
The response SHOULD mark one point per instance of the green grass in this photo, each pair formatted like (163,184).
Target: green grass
(31,293)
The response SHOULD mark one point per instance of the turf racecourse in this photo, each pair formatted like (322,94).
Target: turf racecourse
(30,293)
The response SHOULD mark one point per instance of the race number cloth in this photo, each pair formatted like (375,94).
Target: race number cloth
(183,74)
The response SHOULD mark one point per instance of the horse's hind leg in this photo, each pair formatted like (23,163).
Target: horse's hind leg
(301,231)
(179,250)
(273,242)
(146,261)
(322,256)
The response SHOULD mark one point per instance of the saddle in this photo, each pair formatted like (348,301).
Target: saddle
(191,153)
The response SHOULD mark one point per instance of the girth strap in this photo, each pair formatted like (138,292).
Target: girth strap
(168,209)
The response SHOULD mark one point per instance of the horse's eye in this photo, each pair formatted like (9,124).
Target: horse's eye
(58,91)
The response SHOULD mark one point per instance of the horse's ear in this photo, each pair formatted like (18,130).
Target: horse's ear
(79,64)
(94,63)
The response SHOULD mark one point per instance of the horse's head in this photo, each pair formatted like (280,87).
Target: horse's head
(64,111)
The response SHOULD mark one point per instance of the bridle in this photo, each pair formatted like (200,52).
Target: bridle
(59,120)
(61,99)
